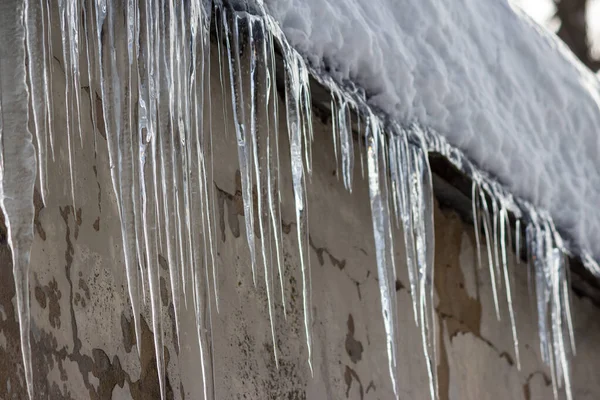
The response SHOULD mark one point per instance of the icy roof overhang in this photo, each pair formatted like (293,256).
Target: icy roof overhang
(485,78)
(556,80)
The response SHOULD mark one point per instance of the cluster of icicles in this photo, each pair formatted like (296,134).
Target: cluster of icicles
(150,61)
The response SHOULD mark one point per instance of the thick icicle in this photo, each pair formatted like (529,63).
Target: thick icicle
(238,106)
(422,215)
(17,165)
(383,243)
(253,39)
(295,90)
(172,159)
(36,62)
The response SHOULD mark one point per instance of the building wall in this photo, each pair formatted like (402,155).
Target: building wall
(83,334)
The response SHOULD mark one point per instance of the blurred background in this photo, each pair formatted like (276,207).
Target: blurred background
(576,22)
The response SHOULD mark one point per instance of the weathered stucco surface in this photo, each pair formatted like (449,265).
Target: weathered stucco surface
(82,331)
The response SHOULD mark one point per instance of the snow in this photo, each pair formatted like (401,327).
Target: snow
(481,73)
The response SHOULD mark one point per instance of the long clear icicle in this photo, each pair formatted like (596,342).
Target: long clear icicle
(210,193)
(252,39)
(273,194)
(422,214)
(296,87)
(384,253)
(400,175)
(172,156)
(239,117)
(17,164)
(36,63)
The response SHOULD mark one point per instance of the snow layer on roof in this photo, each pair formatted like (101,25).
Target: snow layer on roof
(495,84)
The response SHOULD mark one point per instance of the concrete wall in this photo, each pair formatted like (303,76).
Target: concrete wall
(82,330)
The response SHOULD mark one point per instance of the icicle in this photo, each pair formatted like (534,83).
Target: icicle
(17,164)
(334,133)
(346,141)
(361,135)
(518,241)
(219,31)
(551,279)
(201,14)
(395,183)
(537,254)
(173,166)
(209,208)
(257,169)
(383,245)
(405,186)
(133,146)
(62,11)
(294,87)
(87,31)
(74,26)
(559,276)
(47,55)
(566,300)
(476,219)
(238,106)
(422,214)
(496,241)
(145,126)
(118,142)
(504,224)
(591,264)
(201,197)
(273,193)
(35,48)
(488,240)
(306,116)
(212,215)
(196,155)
